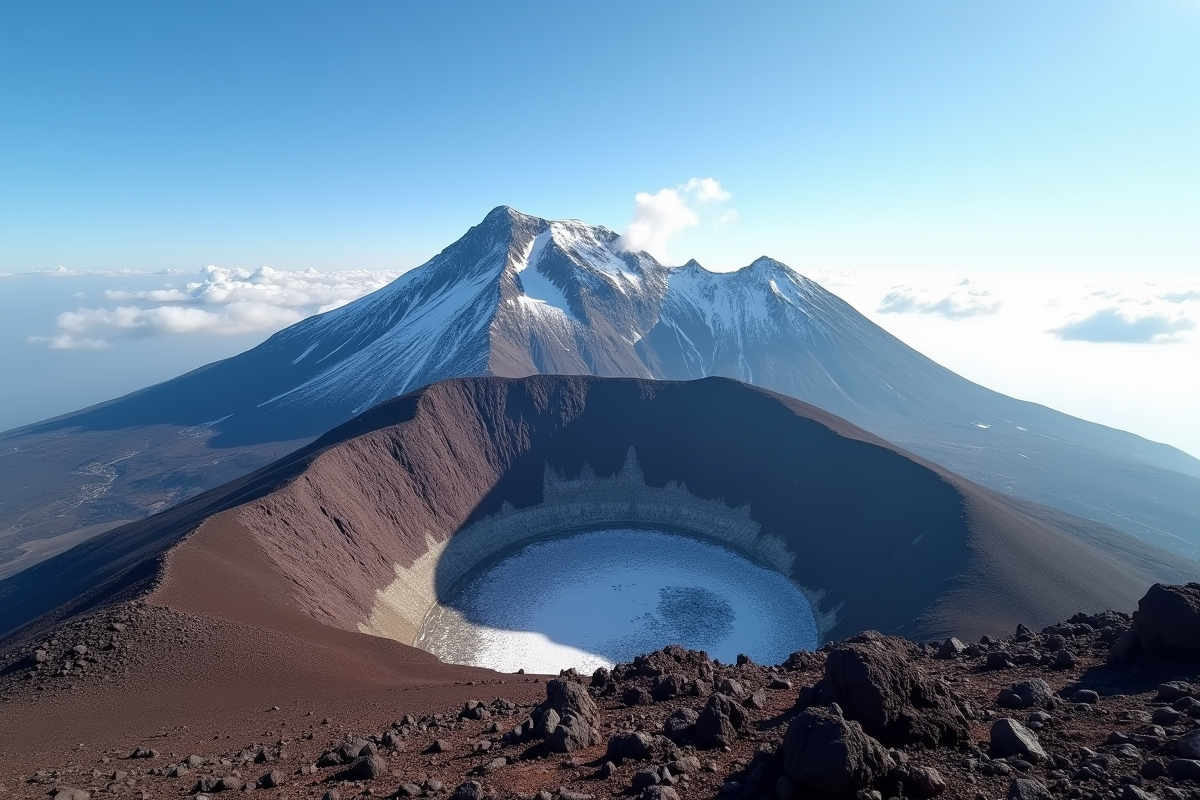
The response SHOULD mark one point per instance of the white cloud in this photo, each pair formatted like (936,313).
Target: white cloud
(706,190)
(1133,313)
(964,299)
(659,217)
(222,302)
(1114,325)
(1130,383)
(63,272)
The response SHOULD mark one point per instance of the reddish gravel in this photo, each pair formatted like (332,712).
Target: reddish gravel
(143,683)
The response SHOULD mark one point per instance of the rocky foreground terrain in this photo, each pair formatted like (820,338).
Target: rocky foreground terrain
(1101,706)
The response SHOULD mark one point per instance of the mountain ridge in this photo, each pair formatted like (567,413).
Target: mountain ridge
(518,295)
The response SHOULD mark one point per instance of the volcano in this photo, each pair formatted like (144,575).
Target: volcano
(372,526)
(518,295)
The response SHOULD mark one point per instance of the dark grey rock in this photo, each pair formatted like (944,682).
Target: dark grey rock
(1034,693)
(951,648)
(1166,716)
(1064,659)
(1027,789)
(471,790)
(678,726)
(1131,792)
(645,777)
(684,766)
(573,733)
(1184,769)
(757,700)
(545,723)
(365,768)
(1011,738)
(1168,617)
(1189,746)
(639,746)
(719,722)
(876,682)
(1174,690)
(668,686)
(827,753)
(660,793)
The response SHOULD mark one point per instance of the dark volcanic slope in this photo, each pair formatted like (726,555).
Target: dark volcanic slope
(519,295)
(894,542)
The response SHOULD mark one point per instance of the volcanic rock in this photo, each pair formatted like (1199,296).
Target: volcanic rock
(1011,738)
(872,677)
(678,727)
(1035,693)
(718,724)
(826,753)
(1028,789)
(639,746)
(1168,617)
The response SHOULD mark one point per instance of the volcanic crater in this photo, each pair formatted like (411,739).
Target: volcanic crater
(379,526)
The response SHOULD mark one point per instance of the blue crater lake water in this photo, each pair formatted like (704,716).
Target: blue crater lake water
(596,598)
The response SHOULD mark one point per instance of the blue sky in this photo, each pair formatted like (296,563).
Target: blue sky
(891,141)
(152,135)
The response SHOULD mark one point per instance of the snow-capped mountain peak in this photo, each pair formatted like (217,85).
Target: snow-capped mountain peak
(518,295)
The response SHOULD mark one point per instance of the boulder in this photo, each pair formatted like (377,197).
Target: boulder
(951,648)
(567,718)
(271,780)
(545,723)
(659,793)
(1035,692)
(639,746)
(572,734)
(71,794)
(471,790)
(365,768)
(1064,659)
(1184,769)
(678,727)
(1174,690)
(1028,789)
(827,753)
(1188,746)
(1011,738)
(719,722)
(666,687)
(874,679)
(757,700)
(1168,618)
(919,782)
(645,777)
(1131,792)
(353,749)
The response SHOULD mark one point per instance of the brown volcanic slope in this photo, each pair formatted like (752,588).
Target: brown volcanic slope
(894,542)
(251,595)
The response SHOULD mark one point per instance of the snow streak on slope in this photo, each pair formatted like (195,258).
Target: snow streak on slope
(539,294)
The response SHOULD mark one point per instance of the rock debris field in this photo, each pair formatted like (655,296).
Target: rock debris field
(1099,707)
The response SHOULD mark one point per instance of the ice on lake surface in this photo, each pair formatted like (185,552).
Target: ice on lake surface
(593,599)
